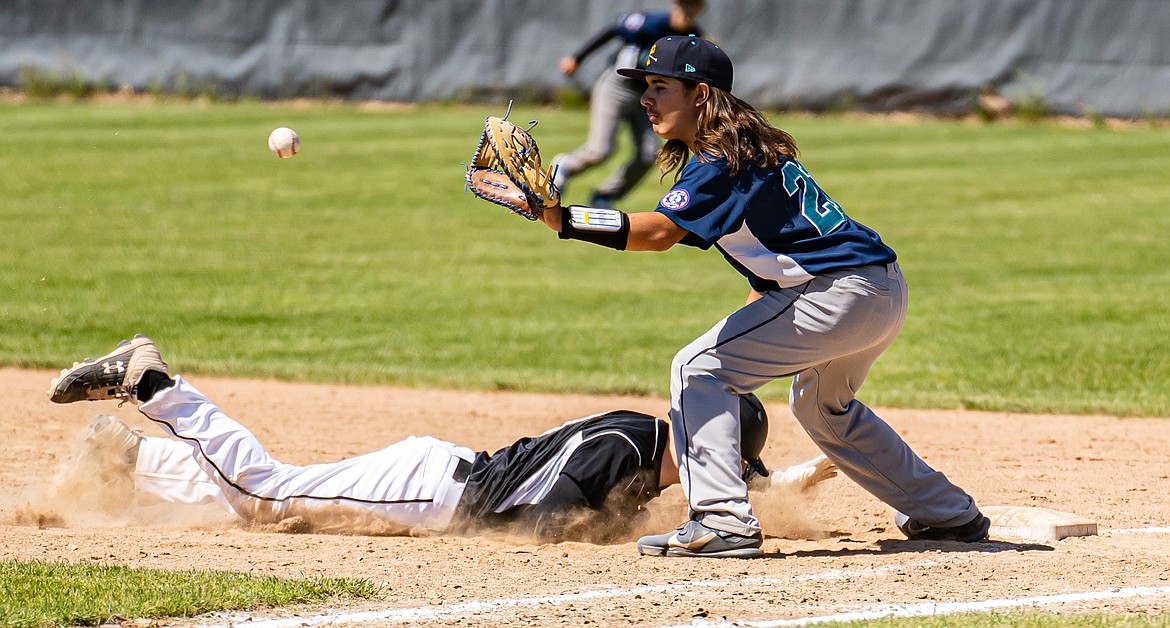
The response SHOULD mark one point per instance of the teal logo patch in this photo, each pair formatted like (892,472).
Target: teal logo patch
(690,68)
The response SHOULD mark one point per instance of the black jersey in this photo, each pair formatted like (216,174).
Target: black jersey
(605,465)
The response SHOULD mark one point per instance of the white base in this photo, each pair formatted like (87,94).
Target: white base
(1036,524)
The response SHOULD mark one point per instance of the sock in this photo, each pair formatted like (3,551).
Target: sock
(151,383)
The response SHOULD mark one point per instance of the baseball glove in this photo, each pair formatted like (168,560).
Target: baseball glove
(506,170)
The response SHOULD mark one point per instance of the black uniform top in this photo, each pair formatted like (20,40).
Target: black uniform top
(581,481)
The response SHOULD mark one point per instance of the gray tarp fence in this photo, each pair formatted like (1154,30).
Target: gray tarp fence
(1105,56)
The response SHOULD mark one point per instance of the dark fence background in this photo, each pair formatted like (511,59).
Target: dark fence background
(1109,57)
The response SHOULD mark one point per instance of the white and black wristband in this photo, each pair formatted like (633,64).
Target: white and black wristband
(607,227)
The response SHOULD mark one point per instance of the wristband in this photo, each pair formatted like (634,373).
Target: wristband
(605,227)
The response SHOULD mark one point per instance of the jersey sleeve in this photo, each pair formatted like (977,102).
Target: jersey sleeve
(702,203)
(598,40)
(553,517)
(597,469)
(630,24)
(602,465)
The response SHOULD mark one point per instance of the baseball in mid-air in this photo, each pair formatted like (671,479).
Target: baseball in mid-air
(283,142)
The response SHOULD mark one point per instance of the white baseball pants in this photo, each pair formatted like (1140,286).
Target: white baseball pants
(411,483)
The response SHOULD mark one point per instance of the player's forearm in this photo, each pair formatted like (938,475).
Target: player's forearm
(642,231)
(551,217)
(652,231)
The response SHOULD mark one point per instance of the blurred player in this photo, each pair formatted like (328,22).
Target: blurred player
(614,99)
(585,480)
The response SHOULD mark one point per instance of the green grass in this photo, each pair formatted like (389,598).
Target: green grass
(1036,255)
(42,595)
(33,595)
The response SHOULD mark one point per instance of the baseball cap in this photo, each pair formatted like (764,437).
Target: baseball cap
(689,58)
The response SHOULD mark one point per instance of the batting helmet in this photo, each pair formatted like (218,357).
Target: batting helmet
(753,433)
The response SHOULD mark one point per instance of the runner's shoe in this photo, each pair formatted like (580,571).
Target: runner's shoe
(112,376)
(109,439)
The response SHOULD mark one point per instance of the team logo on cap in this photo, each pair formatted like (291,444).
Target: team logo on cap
(650,55)
(675,199)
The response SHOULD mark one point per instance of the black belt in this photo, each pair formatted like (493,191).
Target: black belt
(462,471)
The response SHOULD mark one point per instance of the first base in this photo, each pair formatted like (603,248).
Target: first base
(1036,524)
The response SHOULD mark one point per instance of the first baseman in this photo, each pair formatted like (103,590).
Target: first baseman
(585,480)
(826,298)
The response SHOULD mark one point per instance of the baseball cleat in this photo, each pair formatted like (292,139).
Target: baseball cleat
(108,438)
(971,532)
(112,376)
(697,540)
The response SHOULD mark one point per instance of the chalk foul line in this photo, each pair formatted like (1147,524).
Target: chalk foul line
(479,607)
(927,609)
(466,609)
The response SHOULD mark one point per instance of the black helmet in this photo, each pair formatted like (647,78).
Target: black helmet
(753,433)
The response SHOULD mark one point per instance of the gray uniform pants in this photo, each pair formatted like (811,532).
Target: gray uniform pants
(826,334)
(614,101)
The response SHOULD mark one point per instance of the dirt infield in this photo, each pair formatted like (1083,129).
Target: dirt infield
(829,552)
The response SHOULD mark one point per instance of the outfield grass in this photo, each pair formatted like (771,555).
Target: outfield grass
(1036,255)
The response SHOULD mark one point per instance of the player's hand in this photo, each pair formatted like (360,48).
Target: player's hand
(551,216)
(568,66)
(505,170)
(801,477)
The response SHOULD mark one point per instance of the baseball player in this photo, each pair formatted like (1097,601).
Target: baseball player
(614,99)
(563,484)
(826,298)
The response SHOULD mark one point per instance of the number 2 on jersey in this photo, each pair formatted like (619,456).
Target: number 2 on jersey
(826,214)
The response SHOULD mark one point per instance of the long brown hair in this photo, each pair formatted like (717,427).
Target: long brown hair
(732,129)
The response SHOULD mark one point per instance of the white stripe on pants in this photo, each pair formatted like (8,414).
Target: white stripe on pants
(826,334)
(409,483)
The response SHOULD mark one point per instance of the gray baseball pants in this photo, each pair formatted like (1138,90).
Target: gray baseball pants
(615,100)
(826,334)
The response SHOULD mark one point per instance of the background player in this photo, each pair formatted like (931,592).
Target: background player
(585,480)
(614,99)
(826,298)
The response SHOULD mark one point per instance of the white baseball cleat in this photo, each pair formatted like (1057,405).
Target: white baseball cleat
(112,376)
(108,438)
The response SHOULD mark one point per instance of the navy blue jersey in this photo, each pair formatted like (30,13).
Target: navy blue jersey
(775,226)
(637,32)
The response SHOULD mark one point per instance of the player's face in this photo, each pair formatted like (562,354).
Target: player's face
(684,14)
(673,107)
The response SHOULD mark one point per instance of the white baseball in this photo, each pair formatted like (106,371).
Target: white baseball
(283,142)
